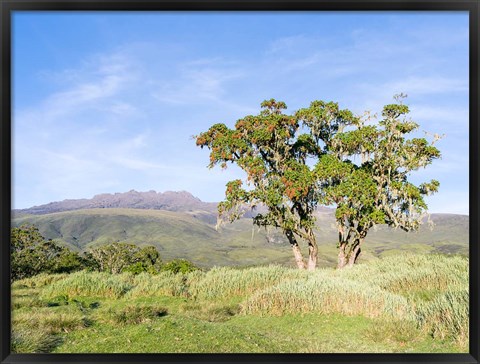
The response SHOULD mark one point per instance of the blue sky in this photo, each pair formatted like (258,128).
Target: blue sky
(108,102)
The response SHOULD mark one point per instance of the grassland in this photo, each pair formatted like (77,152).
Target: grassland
(238,244)
(407,303)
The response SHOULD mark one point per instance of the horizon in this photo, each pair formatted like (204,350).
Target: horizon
(110,103)
(183,191)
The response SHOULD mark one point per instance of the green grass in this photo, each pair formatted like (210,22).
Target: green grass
(408,303)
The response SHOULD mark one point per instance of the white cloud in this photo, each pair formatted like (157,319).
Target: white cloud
(207,81)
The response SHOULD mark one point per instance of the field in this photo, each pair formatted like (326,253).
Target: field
(401,303)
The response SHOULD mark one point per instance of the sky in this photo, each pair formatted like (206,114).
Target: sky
(107,102)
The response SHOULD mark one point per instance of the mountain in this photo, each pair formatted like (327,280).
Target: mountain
(182,226)
(151,200)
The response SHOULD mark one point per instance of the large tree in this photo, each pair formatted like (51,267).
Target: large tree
(276,151)
(366,175)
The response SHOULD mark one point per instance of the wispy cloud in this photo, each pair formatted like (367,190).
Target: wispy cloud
(197,81)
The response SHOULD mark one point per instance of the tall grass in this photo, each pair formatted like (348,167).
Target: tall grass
(447,316)
(412,273)
(224,282)
(324,294)
(90,284)
(40,280)
(163,284)
(426,292)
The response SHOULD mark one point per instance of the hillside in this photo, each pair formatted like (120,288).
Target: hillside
(192,235)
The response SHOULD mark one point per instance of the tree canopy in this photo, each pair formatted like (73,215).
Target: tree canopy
(273,150)
(323,155)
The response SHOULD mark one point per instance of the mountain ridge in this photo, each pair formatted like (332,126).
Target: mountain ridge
(168,200)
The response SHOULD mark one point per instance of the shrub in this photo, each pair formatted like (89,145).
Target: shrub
(32,254)
(179,266)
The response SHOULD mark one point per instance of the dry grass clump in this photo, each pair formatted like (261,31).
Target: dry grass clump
(211,312)
(25,340)
(92,284)
(27,301)
(48,321)
(135,314)
(326,294)
(224,282)
(164,284)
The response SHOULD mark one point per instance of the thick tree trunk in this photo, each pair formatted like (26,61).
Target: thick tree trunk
(312,256)
(312,251)
(298,256)
(354,254)
(342,256)
(296,250)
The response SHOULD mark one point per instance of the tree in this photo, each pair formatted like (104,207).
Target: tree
(32,254)
(147,259)
(375,190)
(274,152)
(119,257)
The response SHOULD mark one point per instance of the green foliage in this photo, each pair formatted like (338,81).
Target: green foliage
(122,257)
(374,190)
(365,174)
(266,146)
(31,254)
(179,266)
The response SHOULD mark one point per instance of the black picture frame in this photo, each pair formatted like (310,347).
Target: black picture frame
(10,6)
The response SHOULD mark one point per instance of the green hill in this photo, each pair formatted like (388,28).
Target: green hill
(192,235)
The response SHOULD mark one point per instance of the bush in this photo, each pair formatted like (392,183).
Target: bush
(122,257)
(32,254)
(179,266)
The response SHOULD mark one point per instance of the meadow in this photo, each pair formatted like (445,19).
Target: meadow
(394,304)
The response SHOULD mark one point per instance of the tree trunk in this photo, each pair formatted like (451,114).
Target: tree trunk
(312,251)
(298,256)
(342,256)
(296,250)
(355,253)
